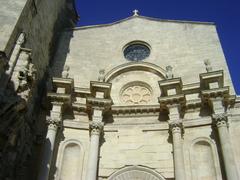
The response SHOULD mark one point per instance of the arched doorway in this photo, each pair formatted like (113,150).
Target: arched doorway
(136,173)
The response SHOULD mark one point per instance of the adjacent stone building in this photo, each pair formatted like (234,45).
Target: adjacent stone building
(138,99)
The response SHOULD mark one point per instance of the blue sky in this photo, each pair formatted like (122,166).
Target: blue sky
(225,14)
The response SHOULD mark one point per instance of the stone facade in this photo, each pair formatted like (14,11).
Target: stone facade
(172,115)
(140,98)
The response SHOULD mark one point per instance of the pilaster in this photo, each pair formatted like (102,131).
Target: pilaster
(98,103)
(173,100)
(54,122)
(217,95)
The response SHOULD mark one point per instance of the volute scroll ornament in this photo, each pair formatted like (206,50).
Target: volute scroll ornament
(96,127)
(220,119)
(176,126)
(53,122)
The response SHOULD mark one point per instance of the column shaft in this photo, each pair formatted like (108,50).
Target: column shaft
(179,169)
(47,152)
(95,130)
(93,157)
(228,158)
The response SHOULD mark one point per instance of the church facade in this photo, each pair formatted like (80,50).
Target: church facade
(140,99)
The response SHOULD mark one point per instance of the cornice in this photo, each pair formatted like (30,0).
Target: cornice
(136,110)
(141,17)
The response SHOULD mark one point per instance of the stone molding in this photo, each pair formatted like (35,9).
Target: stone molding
(96,127)
(99,103)
(143,66)
(220,119)
(87,103)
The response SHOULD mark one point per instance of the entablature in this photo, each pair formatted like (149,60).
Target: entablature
(189,97)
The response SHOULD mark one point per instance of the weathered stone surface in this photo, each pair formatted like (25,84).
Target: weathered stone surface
(178,138)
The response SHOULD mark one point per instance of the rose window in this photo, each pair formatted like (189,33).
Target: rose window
(136,94)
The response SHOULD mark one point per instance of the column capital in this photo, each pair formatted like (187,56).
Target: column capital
(96,127)
(176,126)
(220,119)
(53,122)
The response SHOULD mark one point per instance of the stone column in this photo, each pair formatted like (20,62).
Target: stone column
(229,162)
(54,122)
(95,132)
(176,129)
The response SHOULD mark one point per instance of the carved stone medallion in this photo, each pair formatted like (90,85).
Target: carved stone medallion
(136,93)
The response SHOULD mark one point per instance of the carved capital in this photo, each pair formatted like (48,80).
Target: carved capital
(53,122)
(176,126)
(96,127)
(220,119)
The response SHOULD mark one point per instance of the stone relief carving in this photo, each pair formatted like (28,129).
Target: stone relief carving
(136,93)
(176,126)
(220,119)
(208,65)
(136,173)
(101,75)
(96,127)
(26,78)
(65,72)
(169,73)
(53,122)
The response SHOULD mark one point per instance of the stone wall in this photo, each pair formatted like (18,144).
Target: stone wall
(186,130)
(41,21)
(183,45)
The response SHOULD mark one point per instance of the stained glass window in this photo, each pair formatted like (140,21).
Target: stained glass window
(136,52)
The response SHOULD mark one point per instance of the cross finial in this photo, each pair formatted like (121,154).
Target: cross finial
(135,12)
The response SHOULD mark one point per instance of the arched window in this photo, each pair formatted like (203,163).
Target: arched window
(136,172)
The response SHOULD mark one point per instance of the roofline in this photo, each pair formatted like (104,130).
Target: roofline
(143,17)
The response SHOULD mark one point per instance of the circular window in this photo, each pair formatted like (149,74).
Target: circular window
(136,51)
(136,93)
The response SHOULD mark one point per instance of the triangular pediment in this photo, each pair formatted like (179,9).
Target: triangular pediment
(144,19)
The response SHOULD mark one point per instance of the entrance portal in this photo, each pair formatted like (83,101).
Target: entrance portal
(136,173)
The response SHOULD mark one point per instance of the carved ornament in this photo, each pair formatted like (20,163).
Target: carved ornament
(53,122)
(176,126)
(136,93)
(96,127)
(220,119)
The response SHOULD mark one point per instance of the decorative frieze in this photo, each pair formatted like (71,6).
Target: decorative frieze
(99,103)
